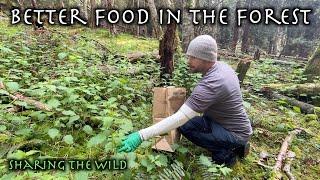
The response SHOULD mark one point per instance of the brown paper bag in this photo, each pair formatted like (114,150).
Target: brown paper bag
(167,101)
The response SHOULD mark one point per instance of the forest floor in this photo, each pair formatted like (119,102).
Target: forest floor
(95,96)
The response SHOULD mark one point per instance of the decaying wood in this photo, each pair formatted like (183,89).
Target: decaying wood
(237,56)
(296,89)
(283,151)
(290,58)
(286,169)
(133,57)
(288,63)
(305,107)
(256,55)
(263,157)
(20,97)
(242,69)
(166,51)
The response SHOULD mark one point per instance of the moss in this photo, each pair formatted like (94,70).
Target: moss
(310,117)
(317,111)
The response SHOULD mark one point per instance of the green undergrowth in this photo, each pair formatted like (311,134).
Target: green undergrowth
(96,97)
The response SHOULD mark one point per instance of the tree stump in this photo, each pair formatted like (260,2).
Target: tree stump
(166,51)
(256,55)
(242,69)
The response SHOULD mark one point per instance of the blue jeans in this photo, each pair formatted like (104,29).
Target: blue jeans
(212,136)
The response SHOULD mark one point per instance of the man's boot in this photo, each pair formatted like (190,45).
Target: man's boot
(243,151)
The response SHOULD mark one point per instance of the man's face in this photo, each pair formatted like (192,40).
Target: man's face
(195,65)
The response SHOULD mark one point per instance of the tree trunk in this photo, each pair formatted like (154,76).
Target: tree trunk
(166,51)
(34,4)
(108,4)
(313,66)
(85,9)
(20,2)
(187,27)
(62,4)
(235,37)
(92,13)
(280,40)
(256,55)
(280,37)
(242,69)
(157,31)
(246,31)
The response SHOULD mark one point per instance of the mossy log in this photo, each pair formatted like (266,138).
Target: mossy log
(135,56)
(305,107)
(296,89)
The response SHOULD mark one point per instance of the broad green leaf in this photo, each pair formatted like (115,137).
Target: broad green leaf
(62,55)
(68,139)
(54,103)
(296,109)
(204,160)
(107,121)
(68,113)
(2,128)
(225,170)
(162,160)
(213,169)
(74,118)
(24,132)
(98,139)
(17,155)
(53,133)
(31,152)
(91,106)
(87,129)
(12,86)
(124,108)
(81,175)
(4,92)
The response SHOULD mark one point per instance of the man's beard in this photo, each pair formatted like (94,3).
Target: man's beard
(193,70)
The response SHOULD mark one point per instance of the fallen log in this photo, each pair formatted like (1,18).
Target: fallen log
(133,57)
(288,63)
(20,97)
(288,57)
(283,151)
(226,53)
(305,107)
(296,89)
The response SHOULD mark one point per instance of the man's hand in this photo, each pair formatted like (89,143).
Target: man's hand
(131,142)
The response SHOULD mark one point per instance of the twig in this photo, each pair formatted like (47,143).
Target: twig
(18,96)
(286,168)
(282,154)
(260,163)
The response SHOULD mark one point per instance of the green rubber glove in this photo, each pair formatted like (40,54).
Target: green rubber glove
(131,142)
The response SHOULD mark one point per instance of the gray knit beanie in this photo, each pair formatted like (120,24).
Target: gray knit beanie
(203,47)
